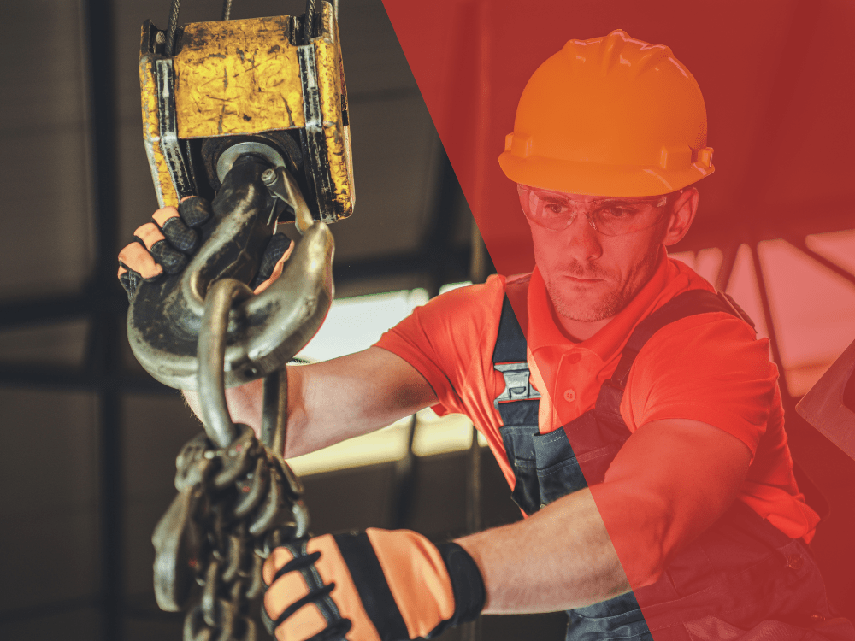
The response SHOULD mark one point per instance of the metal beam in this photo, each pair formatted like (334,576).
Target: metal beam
(437,249)
(768,222)
(72,379)
(50,309)
(728,260)
(787,399)
(800,244)
(104,349)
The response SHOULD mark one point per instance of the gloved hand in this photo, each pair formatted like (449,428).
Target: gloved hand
(167,244)
(377,585)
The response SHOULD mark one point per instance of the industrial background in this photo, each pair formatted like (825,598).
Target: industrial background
(89,439)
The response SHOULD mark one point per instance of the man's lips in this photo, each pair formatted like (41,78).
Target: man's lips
(580,279)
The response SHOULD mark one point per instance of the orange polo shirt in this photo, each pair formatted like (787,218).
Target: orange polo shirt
(709,368)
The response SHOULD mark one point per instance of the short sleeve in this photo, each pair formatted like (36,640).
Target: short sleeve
(445,340)
(709,368)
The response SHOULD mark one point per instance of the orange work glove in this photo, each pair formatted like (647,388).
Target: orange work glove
(167,244)
(377,585)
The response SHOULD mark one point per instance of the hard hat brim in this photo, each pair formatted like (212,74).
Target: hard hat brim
(597,179)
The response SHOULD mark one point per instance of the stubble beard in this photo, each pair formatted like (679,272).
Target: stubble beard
(609,304)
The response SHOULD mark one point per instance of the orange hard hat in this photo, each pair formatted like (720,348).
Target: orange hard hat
(610,116)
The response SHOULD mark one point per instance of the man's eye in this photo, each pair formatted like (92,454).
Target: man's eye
(554,208)
(619,212)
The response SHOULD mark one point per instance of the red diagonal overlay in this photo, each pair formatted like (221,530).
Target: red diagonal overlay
(471,69)
(472,59)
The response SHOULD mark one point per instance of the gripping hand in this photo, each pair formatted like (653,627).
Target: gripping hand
(377,585)
(166,245)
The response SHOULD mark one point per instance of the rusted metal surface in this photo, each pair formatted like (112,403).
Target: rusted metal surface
(237,77)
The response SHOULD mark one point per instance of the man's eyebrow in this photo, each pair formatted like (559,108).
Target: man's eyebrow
(544,193)
(626,201)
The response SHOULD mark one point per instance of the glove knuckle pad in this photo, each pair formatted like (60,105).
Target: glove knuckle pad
(195,211)
(271,261)
(171,260)
(276,248)
(180,236)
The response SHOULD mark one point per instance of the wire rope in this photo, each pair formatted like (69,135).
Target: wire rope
(173,25)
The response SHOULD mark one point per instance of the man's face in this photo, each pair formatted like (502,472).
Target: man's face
(592,274)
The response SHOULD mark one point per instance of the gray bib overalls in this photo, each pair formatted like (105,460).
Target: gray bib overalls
(742,579)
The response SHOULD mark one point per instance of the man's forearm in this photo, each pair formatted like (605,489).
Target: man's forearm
(561,557)
(564,557)
(331,401)
(245,403)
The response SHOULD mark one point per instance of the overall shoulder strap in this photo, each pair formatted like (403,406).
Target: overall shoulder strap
(510,344)
(519,403)
(691,303)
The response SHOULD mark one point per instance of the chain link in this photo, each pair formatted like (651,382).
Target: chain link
(237,500)
(234,506)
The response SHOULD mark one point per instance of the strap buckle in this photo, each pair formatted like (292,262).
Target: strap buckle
(518,386)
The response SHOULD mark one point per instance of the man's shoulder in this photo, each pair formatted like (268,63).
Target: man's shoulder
(486,293)
(693,315)
(707,336)
(466,305)
(517,280)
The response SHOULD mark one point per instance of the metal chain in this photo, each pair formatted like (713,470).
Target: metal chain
(234,506)
(237,501)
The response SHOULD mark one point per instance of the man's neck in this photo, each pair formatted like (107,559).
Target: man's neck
(579,331)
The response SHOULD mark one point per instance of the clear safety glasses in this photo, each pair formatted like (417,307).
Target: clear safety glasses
(556,211)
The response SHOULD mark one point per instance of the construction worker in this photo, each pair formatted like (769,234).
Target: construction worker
(634,413)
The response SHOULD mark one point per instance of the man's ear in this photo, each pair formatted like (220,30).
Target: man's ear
(682,214)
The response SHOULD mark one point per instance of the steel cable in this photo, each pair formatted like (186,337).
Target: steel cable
(308,21)
(172,27)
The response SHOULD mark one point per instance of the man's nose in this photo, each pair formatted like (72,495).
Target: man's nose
(581,239)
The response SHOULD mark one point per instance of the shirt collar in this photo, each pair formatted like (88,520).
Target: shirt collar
(544,329)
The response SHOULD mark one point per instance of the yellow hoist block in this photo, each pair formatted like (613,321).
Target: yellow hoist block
(248,82)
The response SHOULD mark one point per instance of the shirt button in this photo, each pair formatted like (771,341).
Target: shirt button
(570,395)
(574,358)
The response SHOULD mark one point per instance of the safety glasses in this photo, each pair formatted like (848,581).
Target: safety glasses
(556,211)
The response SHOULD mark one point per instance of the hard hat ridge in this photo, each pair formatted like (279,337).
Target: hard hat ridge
(613,46)
(609,116)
